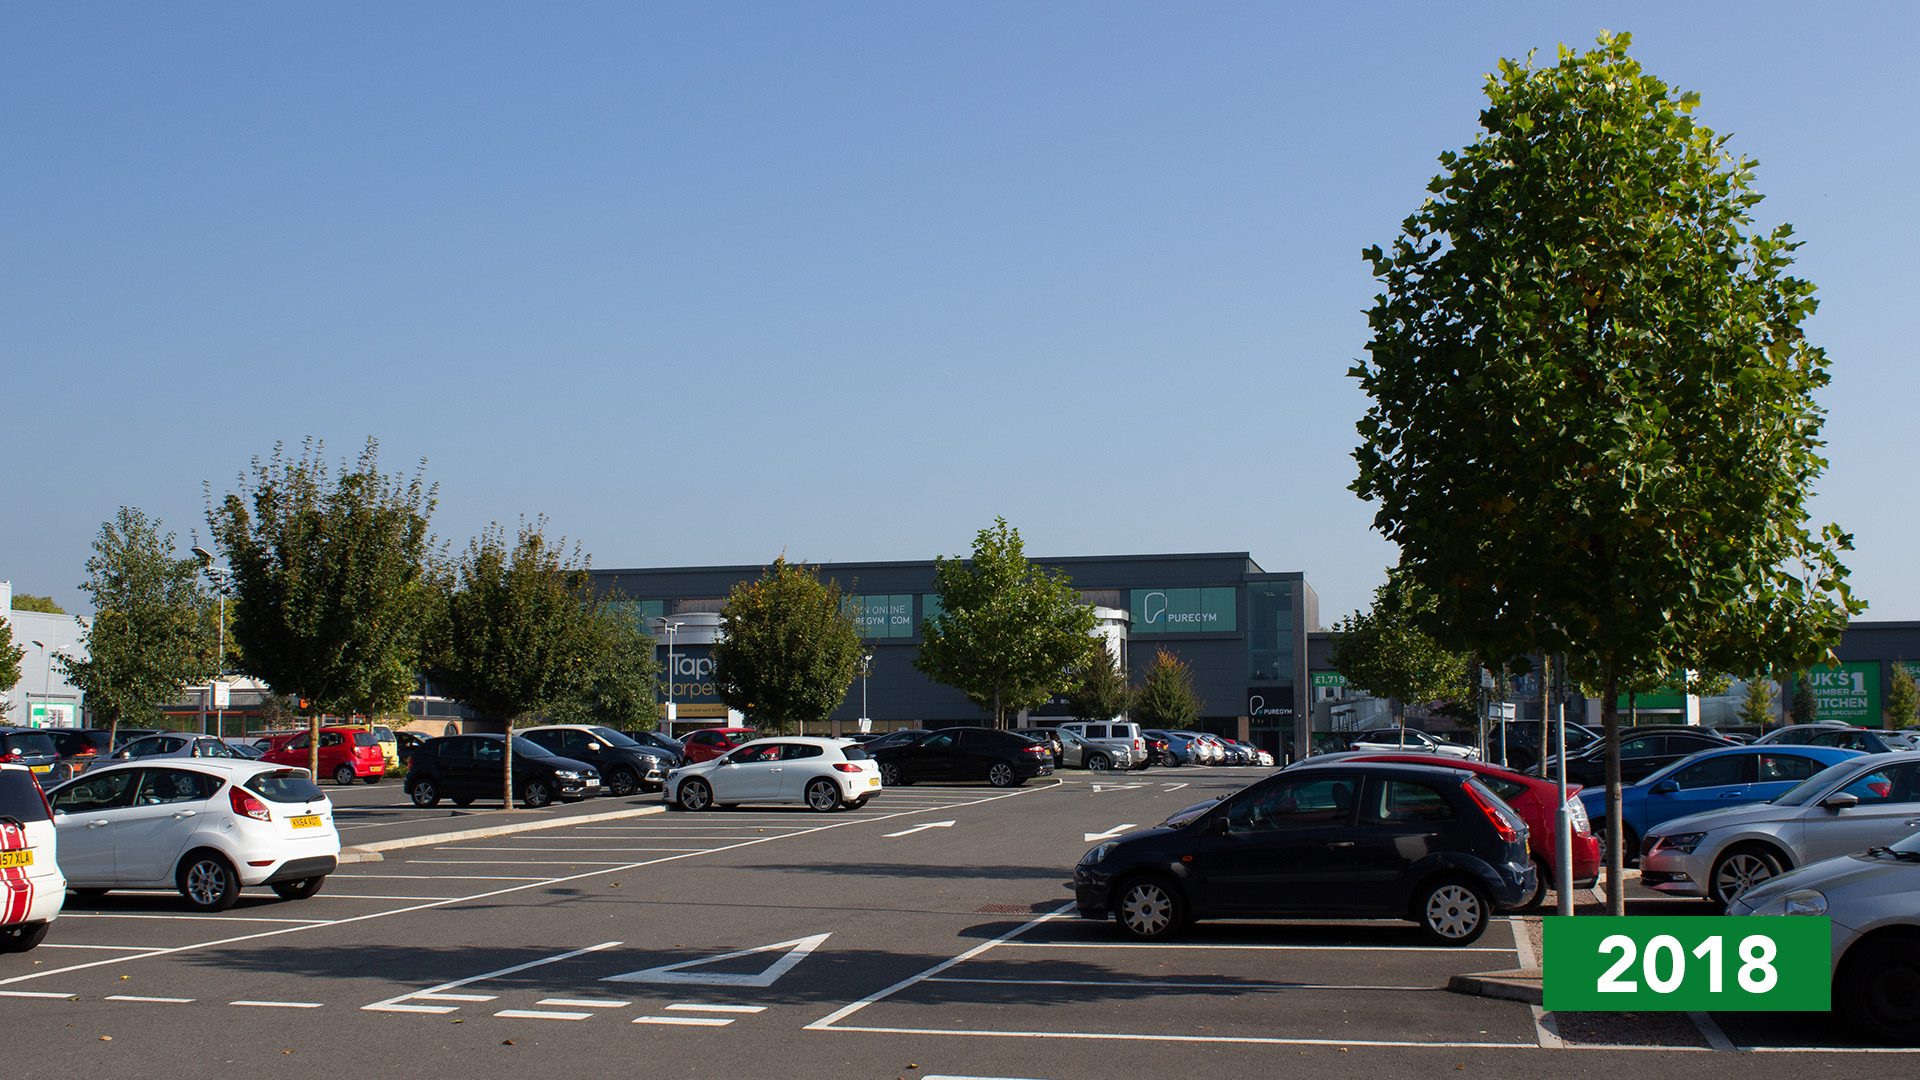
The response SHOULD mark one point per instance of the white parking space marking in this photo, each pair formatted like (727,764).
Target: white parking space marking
(1110,833)
(522,862)
(1247,948)
(683,1021)
(535,1014)
(1187,985)
(35,994)
(717,1008)
(585,1003)
(188,918)
(1173,787)
(109,948)
(166,1001)
(281,1004)
(918,828)
(796,951)
(439,993)
(357,896)
(446,877)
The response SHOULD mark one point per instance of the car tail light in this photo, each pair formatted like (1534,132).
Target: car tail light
(846,766)
(247,806)
(86,751)
(1034,749)
(12,757)
(1500,824)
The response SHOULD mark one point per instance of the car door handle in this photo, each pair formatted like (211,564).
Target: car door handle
(98,824)
(186,813)
(1915,821)
(1733,794)
(1339,843)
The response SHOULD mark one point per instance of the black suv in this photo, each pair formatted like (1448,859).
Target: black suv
(1001,758)
(1343,840)
(468,767)
(625,765)
(1643,751)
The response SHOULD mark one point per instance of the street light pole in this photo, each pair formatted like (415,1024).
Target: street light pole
(46,683)
(220,576)
(866,668)
(669,627)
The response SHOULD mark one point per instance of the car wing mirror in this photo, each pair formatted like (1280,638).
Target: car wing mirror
(1666,787)
(1840,800)
(1218,826)
(593,748)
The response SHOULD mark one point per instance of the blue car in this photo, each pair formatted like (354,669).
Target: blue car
(1709,780)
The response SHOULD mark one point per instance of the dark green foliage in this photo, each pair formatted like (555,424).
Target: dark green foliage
(1902,697)
(1384,652)
(1008,632)
(10,657)
(1805,707)
(43,604)
(790,650)
(619,687)
(1756,708)
(1165,698)
(152,633)
(1097,688)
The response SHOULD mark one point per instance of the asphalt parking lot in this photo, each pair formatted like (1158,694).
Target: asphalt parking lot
(927,934)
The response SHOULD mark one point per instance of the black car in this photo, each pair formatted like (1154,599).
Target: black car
(897,737)
(30,747)
(1643,752)
(1001,758)
(625,765)
(1517,743)
(661,742)
(1047,737)
(1340,840)
(79,748)
(468,767)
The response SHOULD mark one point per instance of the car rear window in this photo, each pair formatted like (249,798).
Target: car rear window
(20,797)
(284,786)
(853,753)
(28,744)
(365,738)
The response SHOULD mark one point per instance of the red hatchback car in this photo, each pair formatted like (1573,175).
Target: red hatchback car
(709,743)
(1533,799)
(346,754)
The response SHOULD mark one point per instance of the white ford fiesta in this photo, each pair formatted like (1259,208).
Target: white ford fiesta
(205,826)
(825,774)
(31,889)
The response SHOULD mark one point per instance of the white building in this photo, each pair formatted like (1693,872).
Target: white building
(42,697)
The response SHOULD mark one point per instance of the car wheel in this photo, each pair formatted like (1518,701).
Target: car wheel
(891,776)
(208,881)
(1878,989)
(374,779)
(1149,909)
(823,795)
(425,795)
(695,795)
(859,802)
(301,889)
(1099,763)
(22,937)
(1738,870)
(1001,774)
(622,783)
(1453,911)
(343,775)
(535,794)
(463,800)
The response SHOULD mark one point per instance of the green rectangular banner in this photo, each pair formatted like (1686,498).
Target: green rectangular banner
(1677,963)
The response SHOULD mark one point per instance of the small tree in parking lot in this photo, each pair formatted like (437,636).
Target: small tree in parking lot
(1902,696)
(1756,708)
(1166,698)
(1098,688)
(790,649)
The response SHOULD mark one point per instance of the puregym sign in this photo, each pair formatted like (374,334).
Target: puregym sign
(1183,611)
(1850,692)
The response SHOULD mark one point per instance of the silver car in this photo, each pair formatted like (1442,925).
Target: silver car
(1860,803)
(176,746)
(1409,741)
(1111,745)
(1873,900)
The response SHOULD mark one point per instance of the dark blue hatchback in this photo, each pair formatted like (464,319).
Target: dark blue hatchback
(1344,840)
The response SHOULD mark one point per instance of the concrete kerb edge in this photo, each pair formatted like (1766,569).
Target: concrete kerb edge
(365,853)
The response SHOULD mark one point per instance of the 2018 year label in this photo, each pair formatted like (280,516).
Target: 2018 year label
(1683,964)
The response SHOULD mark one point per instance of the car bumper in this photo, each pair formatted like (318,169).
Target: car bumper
(575,790)
(1091,892)
(1675,873)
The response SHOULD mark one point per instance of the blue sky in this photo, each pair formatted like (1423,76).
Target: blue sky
(703,283)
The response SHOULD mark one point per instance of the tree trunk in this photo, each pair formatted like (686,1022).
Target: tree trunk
(1616,857)
(506,768)
(313,745)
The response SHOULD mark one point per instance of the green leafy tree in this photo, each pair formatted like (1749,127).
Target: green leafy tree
(790,650)
(10,657)
(1384,652)
(619,687)
(1593,430)
(1805,707)
(1166,698)
(1007,632)
(1097,689)
(515,628)
(151,634)
(43,604)
(1756,708)
(329,574)
(1902,697)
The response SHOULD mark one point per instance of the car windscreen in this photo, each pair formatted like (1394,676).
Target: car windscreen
(284,786)
(613,738)
(20,797)
(1814,785)
(526,747)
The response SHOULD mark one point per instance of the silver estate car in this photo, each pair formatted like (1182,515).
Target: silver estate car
(1860,803)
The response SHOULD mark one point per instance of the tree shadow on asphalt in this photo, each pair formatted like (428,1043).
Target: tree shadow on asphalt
(936,871)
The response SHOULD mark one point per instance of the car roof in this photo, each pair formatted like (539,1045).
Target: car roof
(246,766)
(1383,768)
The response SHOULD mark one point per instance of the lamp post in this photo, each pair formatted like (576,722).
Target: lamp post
(866,668)
(46,683)
(221,576)
(669,627)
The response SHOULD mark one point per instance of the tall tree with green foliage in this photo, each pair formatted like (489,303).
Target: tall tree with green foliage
(1384,652)
(10,657)
(152,633)
(790,649)
(1805,706)
(329,573)
(1097,688)
(1756,708)
(42,604)
(618,687)
(1902,697)
(1593,429)
(1166,698)
(1007,632)
(515,628)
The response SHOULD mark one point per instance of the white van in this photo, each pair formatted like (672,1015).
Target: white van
(1122,742)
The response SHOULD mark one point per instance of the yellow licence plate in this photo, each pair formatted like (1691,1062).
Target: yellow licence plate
(873,781)
(16,858)
(310,821)
(41,768)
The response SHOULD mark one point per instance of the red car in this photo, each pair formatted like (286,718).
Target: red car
(346,754)
(1534,799)
(709,743)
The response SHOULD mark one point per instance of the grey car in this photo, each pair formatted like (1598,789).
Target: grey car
(1873,900)
(1860,803)
(175,746)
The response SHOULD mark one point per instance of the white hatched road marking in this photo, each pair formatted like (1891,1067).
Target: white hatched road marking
(796,951)
(35,994)
(439,993)
(918,828)
(1110,833)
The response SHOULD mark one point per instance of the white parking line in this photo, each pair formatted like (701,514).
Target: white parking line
(683,1021)
(447,877)
(525,862)
(35,994)
(1445,950)
(1187,985)
(109,948)
(585,1003)
(358,896)
(131,997)
(191,918)
(281,1004)
(535,1014)
(717,1008)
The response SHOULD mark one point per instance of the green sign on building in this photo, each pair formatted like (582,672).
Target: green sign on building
(1332,679)
(1183,611)
(1850,692)
(883,616)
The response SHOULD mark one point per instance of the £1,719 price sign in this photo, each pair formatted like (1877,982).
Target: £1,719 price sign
(1681,964)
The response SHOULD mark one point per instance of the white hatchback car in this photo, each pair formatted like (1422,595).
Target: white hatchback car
(31,888)
(205,826)
(825,774)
